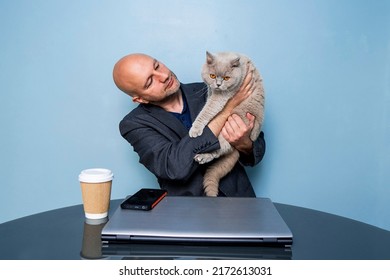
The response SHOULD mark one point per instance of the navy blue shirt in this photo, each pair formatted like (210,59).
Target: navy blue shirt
(184,116)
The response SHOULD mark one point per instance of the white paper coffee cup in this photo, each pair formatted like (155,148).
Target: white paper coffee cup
(96,191)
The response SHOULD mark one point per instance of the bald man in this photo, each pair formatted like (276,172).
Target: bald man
(158,128)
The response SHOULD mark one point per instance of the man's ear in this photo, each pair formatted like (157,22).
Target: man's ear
(140,100)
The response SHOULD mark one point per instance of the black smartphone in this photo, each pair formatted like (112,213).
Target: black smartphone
(144,199)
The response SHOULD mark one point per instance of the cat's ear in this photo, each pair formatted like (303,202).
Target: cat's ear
(209,58)
(235,62)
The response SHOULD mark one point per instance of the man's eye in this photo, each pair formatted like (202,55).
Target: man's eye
(149,83)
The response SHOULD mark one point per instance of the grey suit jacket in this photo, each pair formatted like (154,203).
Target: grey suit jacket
(165,148)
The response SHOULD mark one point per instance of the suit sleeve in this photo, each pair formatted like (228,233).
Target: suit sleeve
(257,152)
(162,151)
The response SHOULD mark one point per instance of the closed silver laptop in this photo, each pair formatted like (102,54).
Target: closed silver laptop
(207,220)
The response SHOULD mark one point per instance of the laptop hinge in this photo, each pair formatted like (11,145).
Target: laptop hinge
(106,237)
(271,240)
(286,241)
(122,237)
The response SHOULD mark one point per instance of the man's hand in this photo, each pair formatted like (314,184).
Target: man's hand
(237,132)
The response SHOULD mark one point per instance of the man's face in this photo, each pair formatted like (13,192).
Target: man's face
(152,80)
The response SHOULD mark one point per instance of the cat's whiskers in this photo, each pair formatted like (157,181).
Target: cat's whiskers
(203,91)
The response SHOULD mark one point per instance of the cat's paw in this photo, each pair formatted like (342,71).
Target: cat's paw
(211,193)
(195,131)
(203,158)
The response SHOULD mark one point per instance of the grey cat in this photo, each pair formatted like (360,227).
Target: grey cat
(224,73)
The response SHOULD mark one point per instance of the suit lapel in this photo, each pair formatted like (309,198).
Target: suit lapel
(166,119)
(196,97)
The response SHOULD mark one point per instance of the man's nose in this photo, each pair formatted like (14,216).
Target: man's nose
(162,76)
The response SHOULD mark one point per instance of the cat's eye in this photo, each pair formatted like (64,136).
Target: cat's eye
(213,76)
(226,78)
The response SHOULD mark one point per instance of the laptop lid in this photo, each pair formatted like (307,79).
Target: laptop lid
(215,220)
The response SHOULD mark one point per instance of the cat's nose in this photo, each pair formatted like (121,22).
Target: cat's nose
(218,82)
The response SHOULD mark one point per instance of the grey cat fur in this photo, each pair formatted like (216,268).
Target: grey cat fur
(234,66)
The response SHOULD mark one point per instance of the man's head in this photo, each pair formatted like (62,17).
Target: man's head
(144,78)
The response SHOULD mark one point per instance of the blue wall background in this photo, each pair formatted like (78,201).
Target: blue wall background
(325,64)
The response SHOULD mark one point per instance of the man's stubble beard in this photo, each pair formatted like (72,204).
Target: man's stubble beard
(170,94)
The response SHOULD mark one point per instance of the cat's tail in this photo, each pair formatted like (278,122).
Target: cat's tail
(217,171)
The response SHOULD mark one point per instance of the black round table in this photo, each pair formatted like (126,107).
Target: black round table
(64,234)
